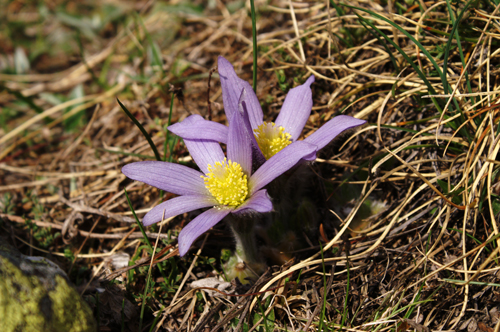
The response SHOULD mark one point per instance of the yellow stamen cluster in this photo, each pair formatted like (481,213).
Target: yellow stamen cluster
(271,139)
(227,183)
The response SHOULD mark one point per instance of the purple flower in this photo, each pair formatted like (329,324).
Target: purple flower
(271,137)
(227,185)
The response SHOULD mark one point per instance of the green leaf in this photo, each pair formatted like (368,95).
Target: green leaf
(443,185)
(495,202)
(86,25)
(256,319)
(28,100)
(21,61)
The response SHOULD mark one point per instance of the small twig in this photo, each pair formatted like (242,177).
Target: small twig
(297,33)
(88,209)
(201,323)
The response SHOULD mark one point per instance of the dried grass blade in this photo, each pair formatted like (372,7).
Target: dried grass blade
(460,207)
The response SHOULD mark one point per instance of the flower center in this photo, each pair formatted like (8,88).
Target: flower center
(227,183)
(271,139)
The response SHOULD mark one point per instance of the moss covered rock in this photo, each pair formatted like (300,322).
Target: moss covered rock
(35,295)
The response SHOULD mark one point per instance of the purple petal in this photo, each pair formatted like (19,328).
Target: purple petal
(259,202)
(239,146)
(204,153)
(196,127)
(257,157)
(255,114)
(327,132)
(175,206)
(200,225)
(174,178)
(280,163)
(296,109)
(232,86)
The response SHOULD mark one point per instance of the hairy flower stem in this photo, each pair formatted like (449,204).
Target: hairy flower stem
(244,234)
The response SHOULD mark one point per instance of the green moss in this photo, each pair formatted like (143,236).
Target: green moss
(26,304)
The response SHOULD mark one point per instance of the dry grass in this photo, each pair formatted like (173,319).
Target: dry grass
(427,262)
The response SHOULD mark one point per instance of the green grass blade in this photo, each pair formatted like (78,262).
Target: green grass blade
(340,12)
(157,318)
(168,124)
(123,315)
(28,100)
(139,224)
(470,236)
(345,312)
(254,42)
(415,300)
(165,144)
(462,282)
(454,32)
(154,49)
(141,128)
(143,304)
(384,44)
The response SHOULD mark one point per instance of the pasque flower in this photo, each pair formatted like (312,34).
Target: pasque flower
(271,137)
(225,184)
